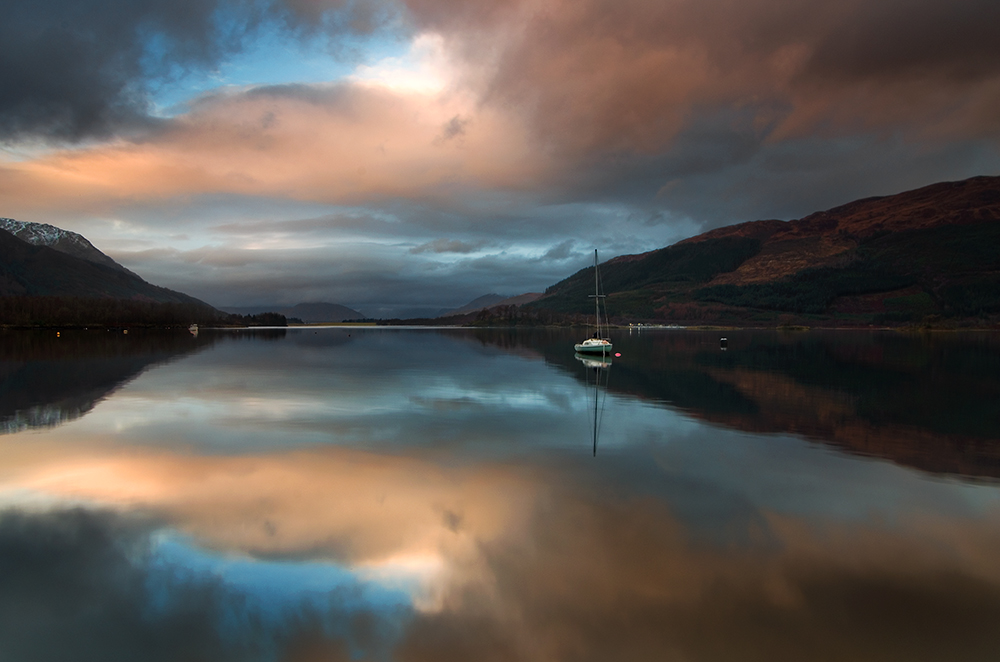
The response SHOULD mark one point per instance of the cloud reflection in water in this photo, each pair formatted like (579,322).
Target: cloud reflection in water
(460,531)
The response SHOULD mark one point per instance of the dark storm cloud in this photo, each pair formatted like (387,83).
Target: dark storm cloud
(636,96)
(719,176)
(609,75)
(73,69)
(797,177)
(953,41)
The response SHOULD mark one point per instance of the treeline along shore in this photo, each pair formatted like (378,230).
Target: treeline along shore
(80,312)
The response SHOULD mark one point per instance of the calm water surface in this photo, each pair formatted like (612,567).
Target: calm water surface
(390,494)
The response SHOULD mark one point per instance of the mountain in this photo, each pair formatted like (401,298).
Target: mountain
(37,270)
(307,312)
(52,285)
(64,241)
(918,256)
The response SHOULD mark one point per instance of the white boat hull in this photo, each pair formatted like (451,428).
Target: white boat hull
(592,346)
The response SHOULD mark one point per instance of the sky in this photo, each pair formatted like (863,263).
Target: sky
(406,156)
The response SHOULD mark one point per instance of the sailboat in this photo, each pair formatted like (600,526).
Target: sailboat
(596,344)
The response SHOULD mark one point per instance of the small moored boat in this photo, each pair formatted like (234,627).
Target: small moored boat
(596,344)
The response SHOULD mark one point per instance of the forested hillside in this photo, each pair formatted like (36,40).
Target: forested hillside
(928,255)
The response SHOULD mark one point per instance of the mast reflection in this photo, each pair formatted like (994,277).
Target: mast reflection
(598,374)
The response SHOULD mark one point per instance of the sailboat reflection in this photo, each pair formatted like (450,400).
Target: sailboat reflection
(600,368)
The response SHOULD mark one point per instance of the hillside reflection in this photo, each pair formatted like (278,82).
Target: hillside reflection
(926,401)
(48,379)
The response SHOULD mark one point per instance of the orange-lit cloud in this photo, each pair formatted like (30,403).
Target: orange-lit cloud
(522,95)
(343,143)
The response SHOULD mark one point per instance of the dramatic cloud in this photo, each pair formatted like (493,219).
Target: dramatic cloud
(341,143)
(471,129)
(75,69)
(630,77)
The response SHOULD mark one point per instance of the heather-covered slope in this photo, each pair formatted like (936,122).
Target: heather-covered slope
(924,254)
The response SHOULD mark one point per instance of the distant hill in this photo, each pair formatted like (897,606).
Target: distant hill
(478,303)
(520,299)
(491,301)
(309,313)
(928,254)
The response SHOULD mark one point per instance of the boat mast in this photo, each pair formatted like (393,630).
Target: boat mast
(597,297)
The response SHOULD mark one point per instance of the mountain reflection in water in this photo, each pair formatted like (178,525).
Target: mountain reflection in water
(47,379)
(386,494)
(927,401)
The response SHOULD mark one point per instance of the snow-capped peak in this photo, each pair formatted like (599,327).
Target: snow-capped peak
(40,234)
(65,241)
